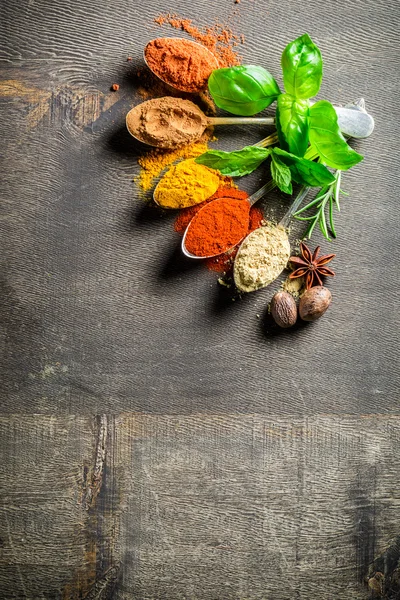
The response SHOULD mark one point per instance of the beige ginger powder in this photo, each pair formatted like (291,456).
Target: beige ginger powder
(261,258)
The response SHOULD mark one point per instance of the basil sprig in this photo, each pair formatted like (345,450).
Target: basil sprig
(248,89)
(281,174)
(297,122)
(302,68)
(292,124)
(244,90)
(236,163)
(303,129)
(243,162)
(304,171)
(327,140)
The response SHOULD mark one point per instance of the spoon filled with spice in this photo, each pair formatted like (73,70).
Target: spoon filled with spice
(220,225)
(170,122)
(265,252)
(223,223)
(188,183)
(180,63)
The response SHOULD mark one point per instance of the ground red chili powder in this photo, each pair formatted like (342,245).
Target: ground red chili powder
(219,39)
(224,262)
(220,225)
(187,214)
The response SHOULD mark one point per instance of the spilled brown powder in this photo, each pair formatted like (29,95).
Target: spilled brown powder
(166,122)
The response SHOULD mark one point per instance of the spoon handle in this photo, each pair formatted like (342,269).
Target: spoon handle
(287,217)
(241,120)
(268,187)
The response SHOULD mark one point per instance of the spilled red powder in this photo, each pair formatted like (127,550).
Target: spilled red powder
(218,38)
(224,262)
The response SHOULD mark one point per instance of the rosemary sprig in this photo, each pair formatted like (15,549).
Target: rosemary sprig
(327,196)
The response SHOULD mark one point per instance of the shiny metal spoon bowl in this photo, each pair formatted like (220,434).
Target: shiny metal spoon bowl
(212,60)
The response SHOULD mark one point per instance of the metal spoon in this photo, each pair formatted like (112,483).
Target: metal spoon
(353,121)
(207,122)
(363,127)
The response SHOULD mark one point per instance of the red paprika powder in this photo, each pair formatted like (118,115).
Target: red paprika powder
(181,63)
(187,214)
(218,38)
(222,263)
(220,225)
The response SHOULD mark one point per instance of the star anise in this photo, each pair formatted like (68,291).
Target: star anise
(310,266)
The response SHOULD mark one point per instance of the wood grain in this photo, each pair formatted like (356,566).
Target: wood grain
(93,280)
(233,506)
(57,504)
(160,439)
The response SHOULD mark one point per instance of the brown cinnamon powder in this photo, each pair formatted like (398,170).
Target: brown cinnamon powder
(166,122)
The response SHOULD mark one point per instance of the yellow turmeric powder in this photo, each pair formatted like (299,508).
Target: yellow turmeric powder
(156,160)
(186,184)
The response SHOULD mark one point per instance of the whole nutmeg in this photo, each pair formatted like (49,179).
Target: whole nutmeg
(314,303)
(284,309)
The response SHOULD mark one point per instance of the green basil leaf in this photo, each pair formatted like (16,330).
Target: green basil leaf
(305,171)
(292,124)
(302,68)
(326,138)
(236,163)
(244,90)
(281,174)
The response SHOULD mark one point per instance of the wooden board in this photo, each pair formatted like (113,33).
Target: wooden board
(233,506)
(101,312)
(160,439)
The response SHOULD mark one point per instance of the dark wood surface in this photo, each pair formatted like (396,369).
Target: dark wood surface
(160,438)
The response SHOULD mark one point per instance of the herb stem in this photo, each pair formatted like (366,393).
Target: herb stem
(268,141)
(328,195)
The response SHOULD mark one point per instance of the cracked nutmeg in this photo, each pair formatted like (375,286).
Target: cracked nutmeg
(311,266)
